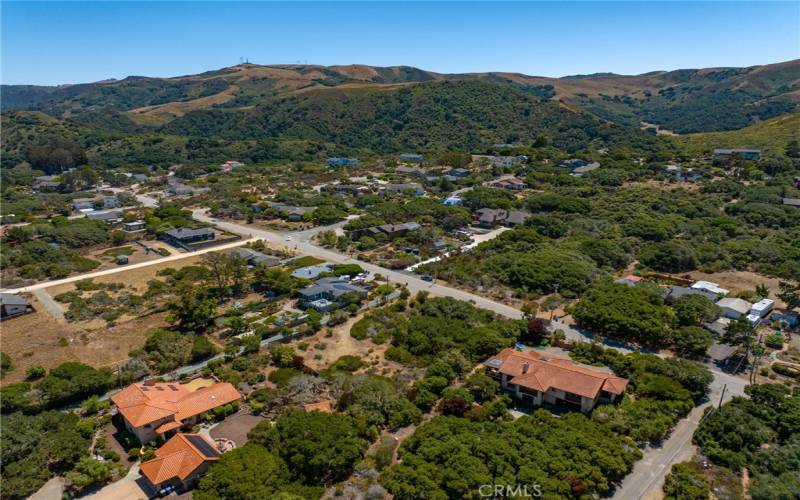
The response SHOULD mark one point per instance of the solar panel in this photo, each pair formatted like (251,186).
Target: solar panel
(172,387)
(145,388)
(494,362)
(202,446)
(159,388)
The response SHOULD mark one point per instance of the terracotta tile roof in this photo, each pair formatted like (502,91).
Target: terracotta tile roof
(179,458)
(323,406)
(142,404)
(540,372)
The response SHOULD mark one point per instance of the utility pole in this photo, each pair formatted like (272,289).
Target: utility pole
(722,395)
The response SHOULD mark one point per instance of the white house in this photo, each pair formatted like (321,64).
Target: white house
(762,307)
(734,308)
(711,287)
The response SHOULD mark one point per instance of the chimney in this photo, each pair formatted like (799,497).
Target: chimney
(525,367)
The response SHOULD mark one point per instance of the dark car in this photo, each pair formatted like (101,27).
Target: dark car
(426,277)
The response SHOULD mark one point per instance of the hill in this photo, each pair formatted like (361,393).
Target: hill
(347,120)
(771,136)
(685,101)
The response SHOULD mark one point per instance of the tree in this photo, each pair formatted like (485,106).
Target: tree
(6,365)
(684,482)
(790,294)
(282,355)
(456,401)
(669,256)
(317,446)
(692,340)
(694,310)
(740,333)
(793,149)
(251,472)
(327,214)
(631,313)
(190,309)
(89,472)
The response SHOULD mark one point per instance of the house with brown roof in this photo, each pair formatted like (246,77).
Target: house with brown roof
(542,379)
(180,462)
(151,409)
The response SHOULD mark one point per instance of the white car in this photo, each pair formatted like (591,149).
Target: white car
(288,238)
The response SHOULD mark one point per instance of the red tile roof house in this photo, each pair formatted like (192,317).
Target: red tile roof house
(538,378)
(180,462)
(152,410)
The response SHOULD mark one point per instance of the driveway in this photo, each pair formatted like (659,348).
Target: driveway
(51,305)
(236,428)
(129,487)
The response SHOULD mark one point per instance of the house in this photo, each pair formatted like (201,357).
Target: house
(311,272)
(579,171)
(180,462)
(573,163)
(180,189)
(439,245)
(711,287)
(413,171)
(122,260)
(490,217)
(512,183)
(351,189)
(253,257)
(515,218)
(103,201)
(291,213)
(792,202)
(452,200)
(538,378)
(762,308)
(734,308)
(329,289)
(390,230)
(341,162)
(183,235)
(682,174)
(629,280)
(458,173)
(133,226)
(12,304)
(109,216)
(47,184)
(676,291)
(747,154)
(231,165)
(155,409)
(507,161)
(412,158)
(411,187)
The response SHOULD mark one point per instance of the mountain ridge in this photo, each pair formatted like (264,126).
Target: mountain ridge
(684,101)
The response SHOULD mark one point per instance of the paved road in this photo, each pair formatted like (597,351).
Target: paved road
(648,474)
(51,305)
(647,477)
(120,269)
(413,283)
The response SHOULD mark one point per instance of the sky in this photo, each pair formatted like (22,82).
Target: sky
(47,43)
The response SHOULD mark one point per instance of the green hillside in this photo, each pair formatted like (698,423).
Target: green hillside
(686,101)
(771,136)
(466,115)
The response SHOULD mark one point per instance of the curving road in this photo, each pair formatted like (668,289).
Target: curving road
(647,476)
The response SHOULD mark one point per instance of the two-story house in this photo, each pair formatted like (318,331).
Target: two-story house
(538,378)
(154,409)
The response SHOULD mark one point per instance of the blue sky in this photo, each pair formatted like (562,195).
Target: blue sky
(69,42)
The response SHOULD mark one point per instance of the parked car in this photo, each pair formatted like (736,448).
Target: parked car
(426,277)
